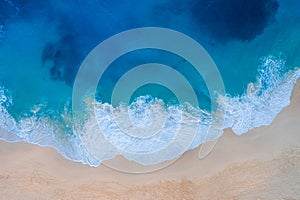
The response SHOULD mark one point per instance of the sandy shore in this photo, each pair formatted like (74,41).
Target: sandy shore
(262,164)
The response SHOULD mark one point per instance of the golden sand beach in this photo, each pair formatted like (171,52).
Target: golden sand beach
(262,164)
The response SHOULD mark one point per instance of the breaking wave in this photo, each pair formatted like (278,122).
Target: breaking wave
(258,106)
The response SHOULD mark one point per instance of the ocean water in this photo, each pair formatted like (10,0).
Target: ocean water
(254,43)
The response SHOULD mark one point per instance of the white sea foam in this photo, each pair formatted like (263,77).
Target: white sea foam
(263,99)
(258,106)
(42,131)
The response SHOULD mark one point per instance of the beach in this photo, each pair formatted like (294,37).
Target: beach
(261,164)
(90,88)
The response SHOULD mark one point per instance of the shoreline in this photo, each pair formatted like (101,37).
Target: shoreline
(264,163)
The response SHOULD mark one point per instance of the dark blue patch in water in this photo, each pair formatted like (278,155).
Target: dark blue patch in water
(85,24)
(235,19)
(63,58)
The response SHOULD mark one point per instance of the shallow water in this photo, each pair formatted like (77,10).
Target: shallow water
(43,44)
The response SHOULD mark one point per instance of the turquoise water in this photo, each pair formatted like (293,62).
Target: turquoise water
(42,46)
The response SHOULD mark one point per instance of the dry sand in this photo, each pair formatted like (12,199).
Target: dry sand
(262,164)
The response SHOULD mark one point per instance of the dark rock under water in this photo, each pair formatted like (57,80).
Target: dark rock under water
(63,58)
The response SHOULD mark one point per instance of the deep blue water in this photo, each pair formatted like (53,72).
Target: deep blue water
(42,45)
